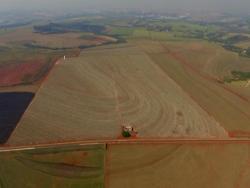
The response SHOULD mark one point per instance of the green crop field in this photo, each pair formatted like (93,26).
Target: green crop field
(153,35)
(64,167)
(122,31)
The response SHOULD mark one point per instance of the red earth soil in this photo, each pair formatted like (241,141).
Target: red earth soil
(15,74)
(239,134)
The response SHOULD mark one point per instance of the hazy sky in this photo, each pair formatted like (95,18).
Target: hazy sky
(211,5)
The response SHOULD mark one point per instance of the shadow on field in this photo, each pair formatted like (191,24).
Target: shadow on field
(12,107)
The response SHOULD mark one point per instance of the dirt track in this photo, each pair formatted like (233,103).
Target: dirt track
(7,148)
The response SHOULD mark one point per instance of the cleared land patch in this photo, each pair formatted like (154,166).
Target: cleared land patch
(178,165)
(68,166)
(16,74)
(92,96)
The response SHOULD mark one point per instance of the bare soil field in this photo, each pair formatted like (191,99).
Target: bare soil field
(15,74)
(92,96)
(178,165)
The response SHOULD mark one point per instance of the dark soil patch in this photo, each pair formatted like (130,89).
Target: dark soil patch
(12,107)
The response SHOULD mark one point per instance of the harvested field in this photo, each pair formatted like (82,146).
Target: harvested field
(241,87)
(92,96)
(68,166)
(178,165)
(208,58)
(230,107)
(12,107)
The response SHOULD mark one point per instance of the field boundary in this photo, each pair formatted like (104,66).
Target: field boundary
(5,148)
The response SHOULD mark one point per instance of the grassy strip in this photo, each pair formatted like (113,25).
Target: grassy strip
(238,76)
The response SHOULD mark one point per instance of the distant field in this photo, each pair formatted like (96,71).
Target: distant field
(92,96)
(65,40)
(209,58)
(68,166)
(178,166)
(245,44)
(164,30)
(26,56)
(142,33)
(121,31)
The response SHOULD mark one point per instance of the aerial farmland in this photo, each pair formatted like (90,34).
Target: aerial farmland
(106,88)
(123,101)
(136,83)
